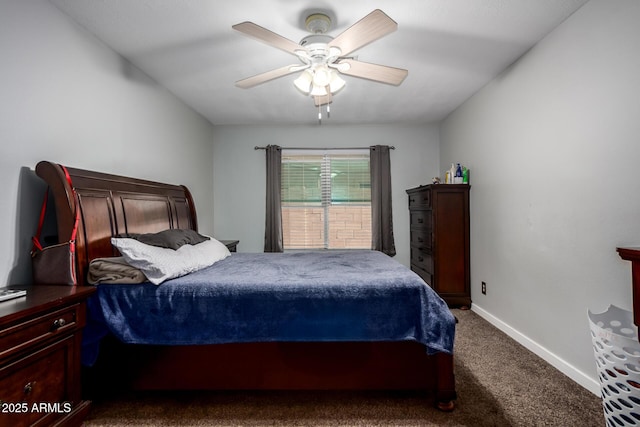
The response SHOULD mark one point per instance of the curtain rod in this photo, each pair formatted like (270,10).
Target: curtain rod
(321,148)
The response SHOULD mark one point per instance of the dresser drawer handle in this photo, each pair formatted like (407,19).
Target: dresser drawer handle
(28,388)
(420,239)
(58,323)
(420,220)
(420,259)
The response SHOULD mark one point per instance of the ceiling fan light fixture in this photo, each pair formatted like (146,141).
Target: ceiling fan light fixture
(319,81)
(303,82)
(319,91)
(321,76)
(337,83)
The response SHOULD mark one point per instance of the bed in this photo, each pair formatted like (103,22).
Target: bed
(249,321)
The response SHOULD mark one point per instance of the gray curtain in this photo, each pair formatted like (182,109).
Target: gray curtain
(381,217)
(273,222)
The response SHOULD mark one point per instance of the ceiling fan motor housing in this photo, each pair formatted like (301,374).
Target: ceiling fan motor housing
(317,45)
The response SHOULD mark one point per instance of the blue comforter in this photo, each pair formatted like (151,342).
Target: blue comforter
(258,297)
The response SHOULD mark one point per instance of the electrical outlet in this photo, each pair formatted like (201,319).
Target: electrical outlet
(484,288)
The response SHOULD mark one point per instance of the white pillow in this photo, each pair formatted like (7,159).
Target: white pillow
(160,264)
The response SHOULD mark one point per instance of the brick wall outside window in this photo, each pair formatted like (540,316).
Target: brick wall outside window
(349,227)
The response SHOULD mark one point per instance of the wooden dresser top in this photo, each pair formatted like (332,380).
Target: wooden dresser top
(41,298)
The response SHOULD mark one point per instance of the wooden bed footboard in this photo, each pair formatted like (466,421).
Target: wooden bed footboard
(111,205)
(276,366)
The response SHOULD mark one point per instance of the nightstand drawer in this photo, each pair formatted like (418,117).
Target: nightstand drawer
(37,378)
(30,332)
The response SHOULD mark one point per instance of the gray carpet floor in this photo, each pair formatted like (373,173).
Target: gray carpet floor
(499,383)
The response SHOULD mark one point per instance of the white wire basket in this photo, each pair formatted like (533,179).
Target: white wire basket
(617,353)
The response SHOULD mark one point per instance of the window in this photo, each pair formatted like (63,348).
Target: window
(326,200)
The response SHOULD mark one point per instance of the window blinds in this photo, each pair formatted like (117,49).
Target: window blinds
(330,178)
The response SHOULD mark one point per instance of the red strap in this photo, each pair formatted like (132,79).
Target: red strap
(36,238)
(74,231)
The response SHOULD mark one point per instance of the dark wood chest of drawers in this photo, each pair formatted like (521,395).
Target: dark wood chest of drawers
(439,235)
(40,340)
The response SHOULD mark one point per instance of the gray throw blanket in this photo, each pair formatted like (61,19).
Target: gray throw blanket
(113,270)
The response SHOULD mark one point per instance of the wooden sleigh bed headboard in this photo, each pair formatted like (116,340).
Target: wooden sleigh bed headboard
(112,205)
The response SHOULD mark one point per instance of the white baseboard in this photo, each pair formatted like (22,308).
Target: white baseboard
(564,367)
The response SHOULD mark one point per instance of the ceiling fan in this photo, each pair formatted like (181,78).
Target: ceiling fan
(323,58)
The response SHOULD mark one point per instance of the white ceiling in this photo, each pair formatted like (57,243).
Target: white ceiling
(451,48)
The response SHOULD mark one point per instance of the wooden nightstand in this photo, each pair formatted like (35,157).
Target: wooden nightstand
(40,343)
(231,244)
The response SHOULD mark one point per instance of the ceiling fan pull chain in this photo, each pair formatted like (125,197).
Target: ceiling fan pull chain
(319,114)
(328,112)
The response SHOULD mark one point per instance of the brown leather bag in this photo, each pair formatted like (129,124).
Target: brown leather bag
(55,264)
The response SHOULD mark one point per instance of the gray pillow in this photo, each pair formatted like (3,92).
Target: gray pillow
(171,239)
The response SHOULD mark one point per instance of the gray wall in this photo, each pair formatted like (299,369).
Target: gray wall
(553,149)
(239,171)
(68,98)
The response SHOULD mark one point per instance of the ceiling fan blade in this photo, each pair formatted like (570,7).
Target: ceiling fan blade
(377,73)
(370,28)
(267,36)
(250,82)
